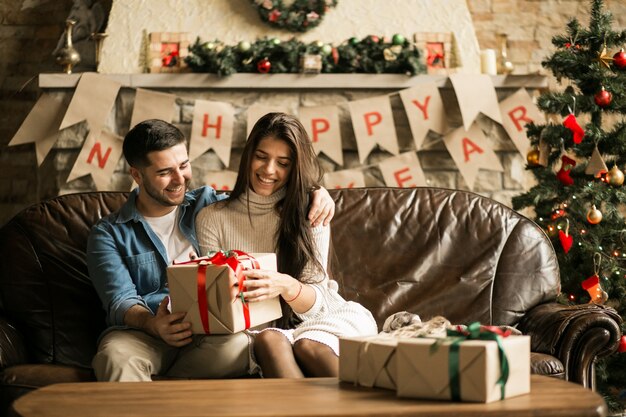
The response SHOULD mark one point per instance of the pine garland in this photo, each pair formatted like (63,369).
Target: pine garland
(369,55)
(300,16)
(578,59)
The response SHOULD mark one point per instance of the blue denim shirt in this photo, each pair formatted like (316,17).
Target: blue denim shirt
(126,260)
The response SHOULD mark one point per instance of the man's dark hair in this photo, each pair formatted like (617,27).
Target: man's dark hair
(149,136)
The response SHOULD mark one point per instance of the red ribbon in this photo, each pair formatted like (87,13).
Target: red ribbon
(233,260)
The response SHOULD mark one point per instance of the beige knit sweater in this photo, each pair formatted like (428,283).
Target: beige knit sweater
(226,227)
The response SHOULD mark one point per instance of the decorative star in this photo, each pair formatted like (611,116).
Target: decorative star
(604,58)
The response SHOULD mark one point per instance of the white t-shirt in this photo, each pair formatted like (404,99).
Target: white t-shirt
(166,228)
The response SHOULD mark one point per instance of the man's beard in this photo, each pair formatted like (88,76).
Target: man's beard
(159,197)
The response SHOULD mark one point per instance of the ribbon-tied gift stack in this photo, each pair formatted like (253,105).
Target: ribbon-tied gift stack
(208,290)
(472,363)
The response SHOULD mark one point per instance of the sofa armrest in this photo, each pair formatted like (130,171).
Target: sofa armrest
(12,348)
(576,335)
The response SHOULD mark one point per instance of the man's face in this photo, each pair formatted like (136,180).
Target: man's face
(164,181)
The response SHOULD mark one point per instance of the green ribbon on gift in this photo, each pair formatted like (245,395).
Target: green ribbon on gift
(474,332)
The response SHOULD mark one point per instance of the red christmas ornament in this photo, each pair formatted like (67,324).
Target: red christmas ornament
(622,345)
(603,98)
(566,240)
(619,59)
(264,66)
(571,123)
(563,174)
(335,55)
(374,38)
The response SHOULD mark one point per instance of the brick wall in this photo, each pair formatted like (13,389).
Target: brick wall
(30,29)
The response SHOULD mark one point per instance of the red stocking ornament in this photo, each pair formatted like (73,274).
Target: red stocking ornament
(563,174)
(566,239)
(571,123)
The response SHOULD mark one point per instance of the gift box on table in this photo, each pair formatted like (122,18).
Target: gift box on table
(207,290)
(369,361)
(463,370)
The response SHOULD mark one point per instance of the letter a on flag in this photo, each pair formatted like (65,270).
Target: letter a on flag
(471,151)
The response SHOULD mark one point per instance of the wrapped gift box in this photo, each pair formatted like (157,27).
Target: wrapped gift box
(423,369)
(368,361)
(225,310)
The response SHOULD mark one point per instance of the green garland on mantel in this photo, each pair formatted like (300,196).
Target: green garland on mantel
(371,54)
(300,16)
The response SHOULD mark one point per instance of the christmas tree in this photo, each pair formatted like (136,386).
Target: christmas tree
(578,159)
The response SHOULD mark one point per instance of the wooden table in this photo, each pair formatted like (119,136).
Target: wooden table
(289,397)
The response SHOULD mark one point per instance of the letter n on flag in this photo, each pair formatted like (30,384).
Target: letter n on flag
(373,124)
(221,180)
(322,125)
(471,151)
(348,178)
(403,171)
(517,110)
(212,128)
(99,157)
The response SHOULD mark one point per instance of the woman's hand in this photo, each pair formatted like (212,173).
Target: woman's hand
(263,284)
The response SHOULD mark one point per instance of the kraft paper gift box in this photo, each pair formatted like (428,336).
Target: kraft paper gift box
(423,370)
(226,312)
(369,361)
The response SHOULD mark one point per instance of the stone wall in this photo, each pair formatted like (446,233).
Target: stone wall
(30,29)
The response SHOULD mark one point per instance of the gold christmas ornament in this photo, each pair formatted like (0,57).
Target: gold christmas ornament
(604,58)
(615,176)
(594,216)
(532,157)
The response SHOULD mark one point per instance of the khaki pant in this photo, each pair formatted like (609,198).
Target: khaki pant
(133,355)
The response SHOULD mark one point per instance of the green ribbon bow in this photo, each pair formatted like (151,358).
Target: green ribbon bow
(474,332)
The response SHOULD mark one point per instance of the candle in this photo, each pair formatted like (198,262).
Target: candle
(488,61)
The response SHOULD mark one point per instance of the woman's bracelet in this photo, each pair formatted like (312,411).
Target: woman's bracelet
(297,295)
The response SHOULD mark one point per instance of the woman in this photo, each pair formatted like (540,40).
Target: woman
(266,212)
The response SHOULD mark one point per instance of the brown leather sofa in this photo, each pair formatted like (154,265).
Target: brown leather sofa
(428,251)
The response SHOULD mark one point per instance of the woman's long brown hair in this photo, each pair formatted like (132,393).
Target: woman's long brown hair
(295,247)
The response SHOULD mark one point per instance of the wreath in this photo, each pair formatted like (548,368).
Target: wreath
(300,16)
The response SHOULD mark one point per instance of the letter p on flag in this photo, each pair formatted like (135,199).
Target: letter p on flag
(318,125)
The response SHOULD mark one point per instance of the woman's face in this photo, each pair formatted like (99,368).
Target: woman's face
(271,166)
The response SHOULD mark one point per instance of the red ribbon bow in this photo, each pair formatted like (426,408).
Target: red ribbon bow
(233,260)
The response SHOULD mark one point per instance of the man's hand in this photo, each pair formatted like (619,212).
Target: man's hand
(322,207)
(168,326)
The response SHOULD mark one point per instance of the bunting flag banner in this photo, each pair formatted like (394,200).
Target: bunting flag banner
(347,178)
(221,180)
(517,110)
(92,101)
(256,111)
(322,125)
(152,105)
(212,128)
(471,151)
(99,156)
(373,124)
(424,108)
(41,125)
(476,94)
(596,166)
(403,171)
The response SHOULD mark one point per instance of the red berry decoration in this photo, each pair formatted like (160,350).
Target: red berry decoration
(603,98)
(619,59)
(264,66)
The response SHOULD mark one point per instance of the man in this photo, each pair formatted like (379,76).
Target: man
(128,253)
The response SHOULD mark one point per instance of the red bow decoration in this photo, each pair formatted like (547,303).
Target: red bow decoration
(571,123)
(563,174)
(232,259)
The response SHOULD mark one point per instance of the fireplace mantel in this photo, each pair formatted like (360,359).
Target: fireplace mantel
(286,81)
